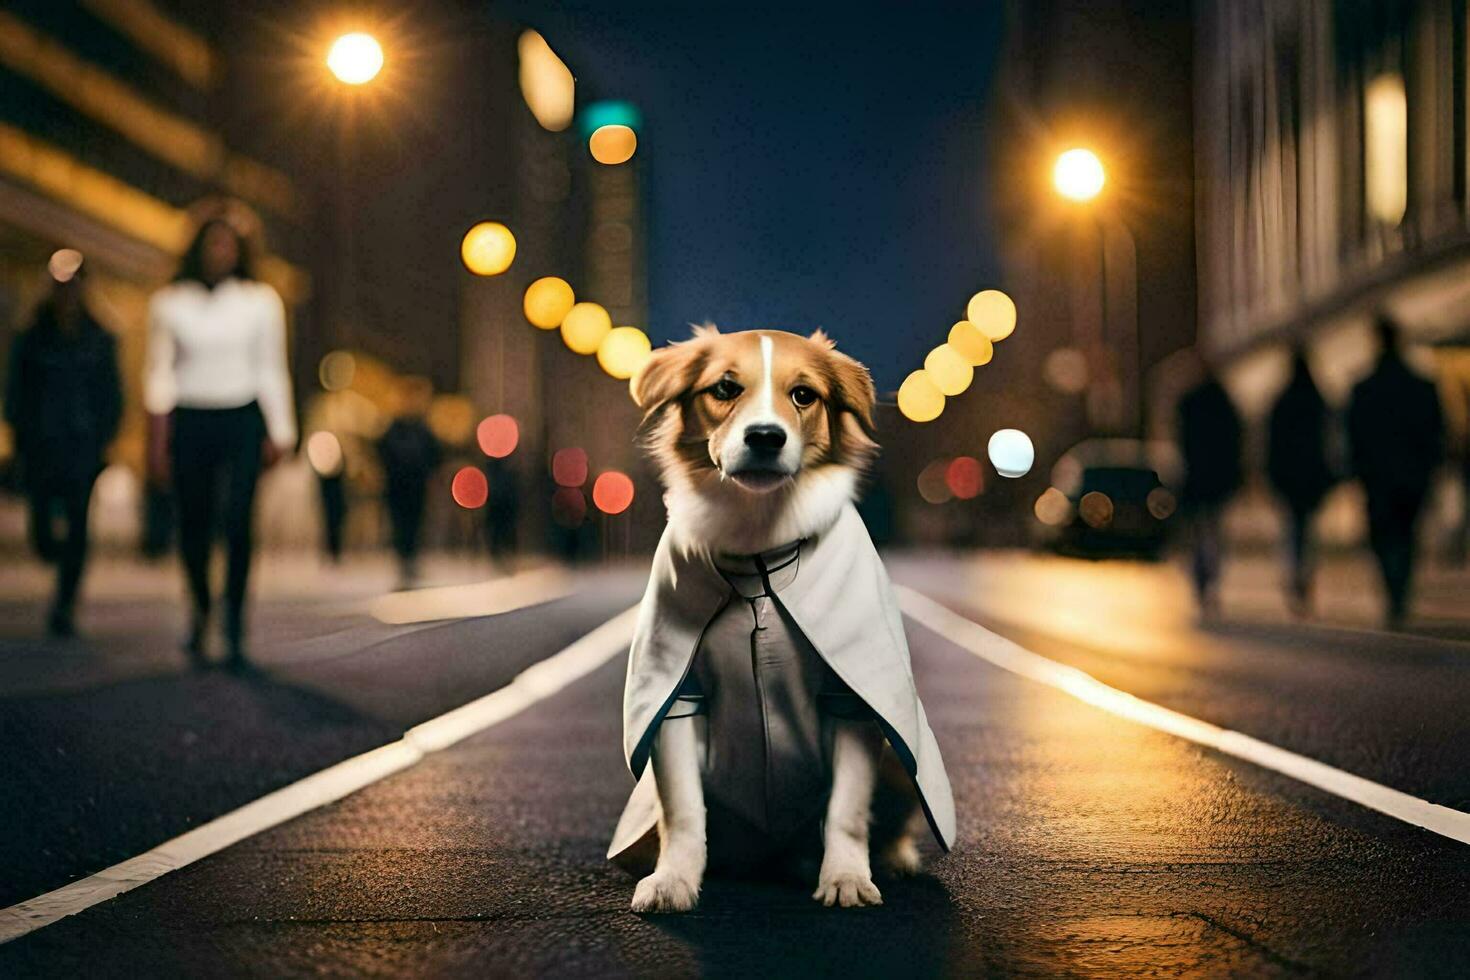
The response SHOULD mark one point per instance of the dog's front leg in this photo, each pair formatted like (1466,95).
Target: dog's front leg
(846,877)
(674,884)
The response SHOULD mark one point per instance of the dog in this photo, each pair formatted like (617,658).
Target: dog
(769,708)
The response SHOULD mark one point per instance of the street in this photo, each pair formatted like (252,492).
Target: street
(1088,843)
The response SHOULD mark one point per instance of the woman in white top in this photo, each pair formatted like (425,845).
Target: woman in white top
(218,393)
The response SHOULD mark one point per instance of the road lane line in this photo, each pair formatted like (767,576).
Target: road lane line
(1007,655)
(488,598)
(534,684)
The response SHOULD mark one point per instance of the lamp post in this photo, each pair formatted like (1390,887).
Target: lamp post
(1079,176)
(354,59)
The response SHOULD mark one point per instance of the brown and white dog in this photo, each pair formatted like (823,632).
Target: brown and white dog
(762,438)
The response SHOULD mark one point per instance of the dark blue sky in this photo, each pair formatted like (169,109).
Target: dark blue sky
(804,168)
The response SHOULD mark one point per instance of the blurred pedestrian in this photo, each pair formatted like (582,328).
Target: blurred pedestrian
(1210,443)
(218,392)
(334,512)
(502,510)
(1396,434)
(63,402)
(410,455)
(1297,465)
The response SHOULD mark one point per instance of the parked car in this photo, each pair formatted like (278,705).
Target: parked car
(1111,498)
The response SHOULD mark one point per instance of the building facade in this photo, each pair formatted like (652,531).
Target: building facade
(1331,151)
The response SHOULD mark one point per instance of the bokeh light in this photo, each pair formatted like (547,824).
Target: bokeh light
(584,327)
(452,419)
(949,370)
(965,477)
(488,248)
(613,144)
(993,312)
(1078,174)
(934,482)
(919,398)
(613,492)
(973,345)
(1066,370)
(497,436)
(624,351)
(355,58)
(1096,509)
(1161,503)
(469,488)
(546,83)
(569,507)
(324,453)
(548,301)
(1011,453)
(64,264)
(336,370)
(569,467)
(1053,508)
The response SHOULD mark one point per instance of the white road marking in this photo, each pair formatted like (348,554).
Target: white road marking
(532,685)
(1007,655)
(491,598)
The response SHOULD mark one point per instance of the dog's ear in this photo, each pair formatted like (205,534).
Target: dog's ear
(854,399)
(667,375)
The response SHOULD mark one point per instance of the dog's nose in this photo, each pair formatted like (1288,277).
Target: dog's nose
(765,438)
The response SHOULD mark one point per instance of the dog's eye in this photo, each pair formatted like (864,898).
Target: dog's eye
(726,390)
(803,397)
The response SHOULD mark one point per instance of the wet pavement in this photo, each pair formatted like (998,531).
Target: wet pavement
(1089,845)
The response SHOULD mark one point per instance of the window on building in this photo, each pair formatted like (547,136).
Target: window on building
(1386,147)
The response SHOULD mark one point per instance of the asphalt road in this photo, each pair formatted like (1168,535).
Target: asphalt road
(1089,844)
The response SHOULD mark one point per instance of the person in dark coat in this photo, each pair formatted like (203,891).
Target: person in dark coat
(63,402)
(1210,443)
(1396,433)
(410,455)
(1296,463)
(502,510)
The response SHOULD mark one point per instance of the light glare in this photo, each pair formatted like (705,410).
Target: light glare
(919,398)
(1011,453)
(355,58)
(488,248)
(1078,175)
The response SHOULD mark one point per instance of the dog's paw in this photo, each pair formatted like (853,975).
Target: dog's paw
(849,889)
(901,858)
(665,892)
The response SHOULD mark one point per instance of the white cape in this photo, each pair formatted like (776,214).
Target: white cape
(844,605)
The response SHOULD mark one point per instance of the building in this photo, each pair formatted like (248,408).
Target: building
(110,129)
(1332,158)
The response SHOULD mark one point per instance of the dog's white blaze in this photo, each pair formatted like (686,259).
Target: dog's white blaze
(768,393)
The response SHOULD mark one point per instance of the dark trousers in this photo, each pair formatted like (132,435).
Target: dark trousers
(71,498)
(1393,518)
(406,512)
(216,459)
(1303,551)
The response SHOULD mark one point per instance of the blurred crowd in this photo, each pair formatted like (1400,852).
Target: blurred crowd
(218,397)
(1394,435)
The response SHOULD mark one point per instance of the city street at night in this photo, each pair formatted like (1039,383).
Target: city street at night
(571,488)
(1089,842)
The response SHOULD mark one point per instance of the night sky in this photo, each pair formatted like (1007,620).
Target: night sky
(803,168)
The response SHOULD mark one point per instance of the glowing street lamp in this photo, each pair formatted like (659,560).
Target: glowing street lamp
(1078,174)
(355,58)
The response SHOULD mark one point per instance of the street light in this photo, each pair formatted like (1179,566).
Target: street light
(355,58)
(1078,175)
